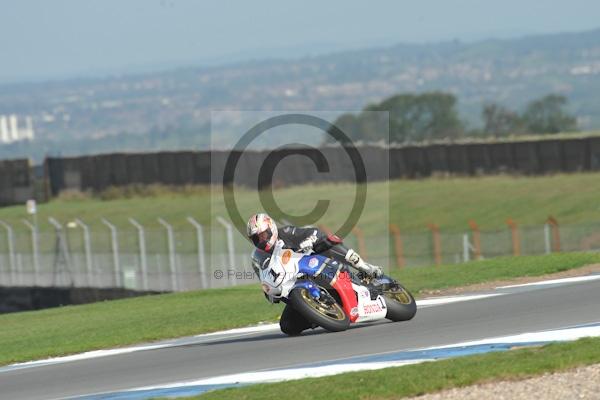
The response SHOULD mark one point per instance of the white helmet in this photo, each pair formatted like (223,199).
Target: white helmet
(262,231)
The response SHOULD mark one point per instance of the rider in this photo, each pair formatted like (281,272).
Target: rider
(263,232)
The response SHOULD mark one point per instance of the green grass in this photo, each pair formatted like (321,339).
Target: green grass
(73,329)
(449,202)
(432,278)
(414,380)
(54,332)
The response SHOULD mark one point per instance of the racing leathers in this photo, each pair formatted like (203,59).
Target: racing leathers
(307,240)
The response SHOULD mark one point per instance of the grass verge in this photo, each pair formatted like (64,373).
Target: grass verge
(449,202)
(73,329)
(502,268)
(414,380)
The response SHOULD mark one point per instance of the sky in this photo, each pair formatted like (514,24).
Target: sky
(62,39)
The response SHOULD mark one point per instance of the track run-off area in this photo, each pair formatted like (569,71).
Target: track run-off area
(496,320)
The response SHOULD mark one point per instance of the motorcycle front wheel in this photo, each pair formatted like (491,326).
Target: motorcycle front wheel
(323,311)
(401,305)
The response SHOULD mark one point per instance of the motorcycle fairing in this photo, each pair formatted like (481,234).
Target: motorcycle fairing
(343,285)
(367,309)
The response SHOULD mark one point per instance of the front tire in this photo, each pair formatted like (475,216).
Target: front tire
(401,305)
(324,312)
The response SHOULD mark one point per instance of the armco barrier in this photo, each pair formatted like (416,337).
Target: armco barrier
(15,299)
(16,182)
(298,166)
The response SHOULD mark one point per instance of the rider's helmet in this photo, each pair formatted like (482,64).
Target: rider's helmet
(262,231)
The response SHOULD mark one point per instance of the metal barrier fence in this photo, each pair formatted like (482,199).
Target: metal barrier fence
(197,257)
(137,258)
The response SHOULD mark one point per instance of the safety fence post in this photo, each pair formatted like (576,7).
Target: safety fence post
(142,249)
(200,247)
(547,241)
(516,241)
(230,244)
(360,238)
(398,247)
(476,239)
(437,243)
(466,248)
(10,237)
(62,247)
(35,249)
(87,245)
(555,233)
(172,260)
(114,235)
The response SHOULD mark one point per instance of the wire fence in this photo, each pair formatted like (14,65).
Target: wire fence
(169,259)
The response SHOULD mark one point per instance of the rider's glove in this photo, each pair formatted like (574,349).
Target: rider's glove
(376,271)
(307,244)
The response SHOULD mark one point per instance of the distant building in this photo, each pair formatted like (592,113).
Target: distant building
(11,132)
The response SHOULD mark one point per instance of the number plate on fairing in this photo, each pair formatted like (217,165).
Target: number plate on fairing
(369,310)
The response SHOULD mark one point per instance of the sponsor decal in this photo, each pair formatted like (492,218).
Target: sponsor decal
(372,308)
(354,312)
(285,258)
(313,262)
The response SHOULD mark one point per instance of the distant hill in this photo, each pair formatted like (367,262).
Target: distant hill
(171,109)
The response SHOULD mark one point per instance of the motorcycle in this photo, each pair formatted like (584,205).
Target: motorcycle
(320,291)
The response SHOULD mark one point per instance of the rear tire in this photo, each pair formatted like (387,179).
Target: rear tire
(332,318)
(292,323)
(401,305)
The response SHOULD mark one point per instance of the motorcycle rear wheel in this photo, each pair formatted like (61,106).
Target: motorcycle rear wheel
(324,311)
(292,323)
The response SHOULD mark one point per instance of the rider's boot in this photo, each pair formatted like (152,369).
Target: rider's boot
(356,260)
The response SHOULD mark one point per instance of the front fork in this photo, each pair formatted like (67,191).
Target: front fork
(310,286)
(341,281)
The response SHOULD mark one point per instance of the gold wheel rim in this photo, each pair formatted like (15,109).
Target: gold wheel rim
(400,295)
(332,311)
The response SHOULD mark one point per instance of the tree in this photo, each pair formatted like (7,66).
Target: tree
(548,115)
(412,117)
(500,121)
(418,117)
(348,124)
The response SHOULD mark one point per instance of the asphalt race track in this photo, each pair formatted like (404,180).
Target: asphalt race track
(516,310)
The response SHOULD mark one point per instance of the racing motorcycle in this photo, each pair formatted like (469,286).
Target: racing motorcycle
(320,291)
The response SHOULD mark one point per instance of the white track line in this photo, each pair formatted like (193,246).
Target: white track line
(555,281)
(559,335)
(284,374)
(82,356)
(437,301)
(242,331)
(232,333)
